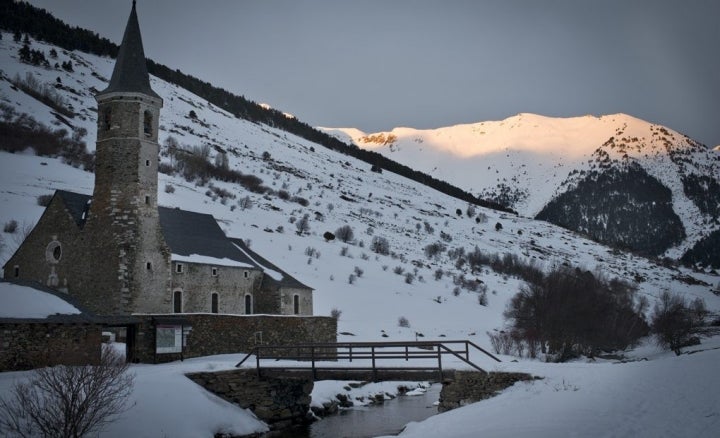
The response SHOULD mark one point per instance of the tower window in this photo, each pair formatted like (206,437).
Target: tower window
(147,200)
(147,123)
(245,274)
(179,268)
(147,163)
(214,302)
(148,266)
(296,304)
(107,118)
(214,271)
(177,301)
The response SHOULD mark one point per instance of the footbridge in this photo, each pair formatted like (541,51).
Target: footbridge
(376,361)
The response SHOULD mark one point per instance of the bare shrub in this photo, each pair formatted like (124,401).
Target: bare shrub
(245,203)
(403,322)
(380,245)
(335,313)
(10,226)
(352,278)
(68,401)
(501,342)
(572,312)
(409,278)
(675,322)
(44,200)
(303,225)
(345,233)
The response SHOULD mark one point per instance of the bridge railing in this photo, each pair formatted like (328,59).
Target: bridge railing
(374,352)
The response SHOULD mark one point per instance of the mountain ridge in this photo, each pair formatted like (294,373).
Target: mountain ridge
(528,160)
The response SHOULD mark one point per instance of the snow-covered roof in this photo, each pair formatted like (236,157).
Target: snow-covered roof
(20,301)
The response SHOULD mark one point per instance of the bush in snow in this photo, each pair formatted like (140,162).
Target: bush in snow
(675,323)
(303,225)
(44,200)
(10,226)
(169,188)
(345,233)
(403,322)
(68,401)
(335,313)
(380,245)
(351,278)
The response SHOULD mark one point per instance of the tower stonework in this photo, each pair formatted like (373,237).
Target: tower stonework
(123,220)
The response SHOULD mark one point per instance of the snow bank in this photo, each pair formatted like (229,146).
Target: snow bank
(25,302)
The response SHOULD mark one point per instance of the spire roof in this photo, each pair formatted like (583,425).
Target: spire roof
(130,73)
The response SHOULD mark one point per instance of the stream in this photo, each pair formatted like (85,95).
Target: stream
(370,421)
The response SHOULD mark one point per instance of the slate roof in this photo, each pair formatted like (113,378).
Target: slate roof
(77,205)
(130,73)
(269,282)
(188,233)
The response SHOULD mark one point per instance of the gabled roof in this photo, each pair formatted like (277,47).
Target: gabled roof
(77,205)
(275,277)
(24,301)
(130,73)
(188,233)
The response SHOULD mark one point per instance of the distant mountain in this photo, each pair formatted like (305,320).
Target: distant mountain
(615,178)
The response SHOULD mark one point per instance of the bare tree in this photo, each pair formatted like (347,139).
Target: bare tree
(303,225)
(68,401)
(345,233)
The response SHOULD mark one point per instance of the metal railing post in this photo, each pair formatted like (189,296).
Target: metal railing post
(257,361)
(312,356)
(372,351)
(350,349)
(439,354)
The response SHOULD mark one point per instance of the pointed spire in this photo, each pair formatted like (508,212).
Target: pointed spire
(130,73)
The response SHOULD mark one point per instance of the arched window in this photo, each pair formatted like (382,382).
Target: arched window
(296,304)
(214,302)
(248,305)
(107,118)
(177,301)
(147,123)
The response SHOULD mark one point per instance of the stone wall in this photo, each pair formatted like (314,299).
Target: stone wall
(32,345)
(221,334)
(472,386)
(198,283)
(279,402)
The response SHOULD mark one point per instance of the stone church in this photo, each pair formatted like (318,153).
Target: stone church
(118,253)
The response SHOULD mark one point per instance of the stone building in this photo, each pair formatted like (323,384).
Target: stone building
(118,253)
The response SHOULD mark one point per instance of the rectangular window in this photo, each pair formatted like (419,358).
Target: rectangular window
(147,200)
(179,268)
(148,266)
(16,270)
(214,271)
(147,163)
(245,274)
(214,303)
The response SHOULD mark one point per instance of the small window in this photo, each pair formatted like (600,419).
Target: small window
(147,163)
(148,266)
(147,123)
(53,252)
(16,270)
(147,200)
(214,271)
(179,268)
(296,304)
(248,305)
(245,274)
(214,302)
(177,301)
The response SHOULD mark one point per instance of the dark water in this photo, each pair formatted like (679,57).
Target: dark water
(363,422)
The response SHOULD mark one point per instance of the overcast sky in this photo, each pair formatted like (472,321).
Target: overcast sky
(378,64)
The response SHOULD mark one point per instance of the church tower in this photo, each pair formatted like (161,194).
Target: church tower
(123,230)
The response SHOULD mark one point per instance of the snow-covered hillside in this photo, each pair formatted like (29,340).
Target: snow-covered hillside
(527,160)
(339,190)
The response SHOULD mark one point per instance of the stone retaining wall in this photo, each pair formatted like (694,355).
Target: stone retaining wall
(32,345)
(221,334)
(280,402)
(472,386)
